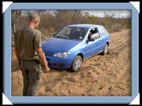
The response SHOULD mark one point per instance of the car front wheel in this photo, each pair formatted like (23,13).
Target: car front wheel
(105,50)
(76,63)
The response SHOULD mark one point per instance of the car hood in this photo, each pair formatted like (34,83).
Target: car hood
(54,45)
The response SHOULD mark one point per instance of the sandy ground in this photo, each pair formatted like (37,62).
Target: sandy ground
(101,75)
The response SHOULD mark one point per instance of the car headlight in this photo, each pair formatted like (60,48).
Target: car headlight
(61,54)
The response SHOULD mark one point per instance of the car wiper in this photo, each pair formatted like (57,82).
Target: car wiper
(74,39)
(62,37)
(58,37)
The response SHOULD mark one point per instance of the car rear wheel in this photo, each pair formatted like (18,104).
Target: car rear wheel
(105,50)
(76,63)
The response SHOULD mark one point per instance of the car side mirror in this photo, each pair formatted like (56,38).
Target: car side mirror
(91,39)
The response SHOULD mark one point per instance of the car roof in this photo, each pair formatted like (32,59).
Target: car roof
(84,25)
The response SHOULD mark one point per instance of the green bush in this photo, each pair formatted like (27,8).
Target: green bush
(51,24)
(110,23)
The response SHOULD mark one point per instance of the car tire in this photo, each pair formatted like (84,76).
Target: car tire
(105,50)
(76,63)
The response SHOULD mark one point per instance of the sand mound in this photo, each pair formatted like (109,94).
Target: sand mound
(101,75)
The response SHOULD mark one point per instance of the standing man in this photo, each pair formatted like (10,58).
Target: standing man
(29,54)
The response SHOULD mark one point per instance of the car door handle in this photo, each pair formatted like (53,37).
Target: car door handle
(100,40)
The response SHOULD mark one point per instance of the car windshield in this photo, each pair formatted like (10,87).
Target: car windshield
(72,33)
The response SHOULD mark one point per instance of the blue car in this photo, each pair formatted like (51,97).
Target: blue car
(75,43)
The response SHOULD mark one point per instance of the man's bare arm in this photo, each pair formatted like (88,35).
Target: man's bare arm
(42,58)
(17,55)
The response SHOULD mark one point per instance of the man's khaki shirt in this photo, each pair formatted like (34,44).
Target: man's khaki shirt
(27,39)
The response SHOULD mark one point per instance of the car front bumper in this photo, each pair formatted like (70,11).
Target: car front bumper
(59,63)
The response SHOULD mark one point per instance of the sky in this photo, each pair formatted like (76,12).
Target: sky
(101,13)
(116,13)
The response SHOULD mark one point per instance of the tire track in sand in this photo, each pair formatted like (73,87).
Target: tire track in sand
(101,75)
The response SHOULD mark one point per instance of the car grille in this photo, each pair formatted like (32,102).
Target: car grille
(48,54)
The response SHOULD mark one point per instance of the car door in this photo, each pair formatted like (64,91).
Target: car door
(103,37)
(92,47)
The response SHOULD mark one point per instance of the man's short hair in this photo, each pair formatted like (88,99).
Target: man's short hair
(33,17)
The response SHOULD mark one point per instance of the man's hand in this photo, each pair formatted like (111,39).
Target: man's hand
(19,62)
(47,69)
(42,59)
(17,55)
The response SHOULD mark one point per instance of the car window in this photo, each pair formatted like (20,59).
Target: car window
(102,31)
(93,34)
(72,33)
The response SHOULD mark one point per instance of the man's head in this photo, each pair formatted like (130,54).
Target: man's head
(34,19)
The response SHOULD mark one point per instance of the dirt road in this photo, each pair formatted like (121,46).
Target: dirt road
(101,75)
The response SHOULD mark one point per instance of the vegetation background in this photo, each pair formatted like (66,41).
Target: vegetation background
(52,22)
